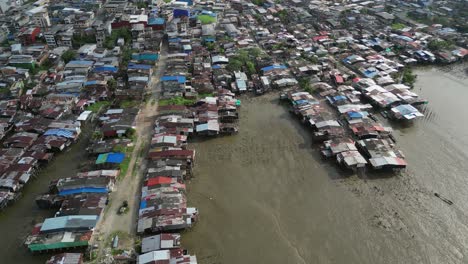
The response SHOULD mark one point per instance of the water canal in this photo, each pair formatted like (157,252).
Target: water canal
(265,196)
(17,221)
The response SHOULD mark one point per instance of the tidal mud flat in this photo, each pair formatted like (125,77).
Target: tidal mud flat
(266,196)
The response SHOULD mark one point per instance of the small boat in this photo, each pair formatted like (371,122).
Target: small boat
(447,201)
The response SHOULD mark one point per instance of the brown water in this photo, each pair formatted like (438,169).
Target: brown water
(17,221)
(265,196)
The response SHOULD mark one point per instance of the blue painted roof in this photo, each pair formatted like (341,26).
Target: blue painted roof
(273,67)
(105,68)
(174,40)
(156,21)
(145,56)
(81,62)
(93,82)
(139,66)
(179,79)
(60,133)
(83,190)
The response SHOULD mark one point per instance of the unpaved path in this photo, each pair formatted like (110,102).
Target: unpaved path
(128,189)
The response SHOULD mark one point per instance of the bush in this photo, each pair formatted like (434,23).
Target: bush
(179,100)
(409,77)
(68,55)
(436,45)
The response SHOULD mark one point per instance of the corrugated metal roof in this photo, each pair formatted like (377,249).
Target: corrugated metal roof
(69,222)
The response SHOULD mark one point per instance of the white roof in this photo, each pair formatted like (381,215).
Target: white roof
(154,256)
(84,116)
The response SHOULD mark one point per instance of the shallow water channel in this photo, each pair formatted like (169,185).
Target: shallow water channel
(265,195)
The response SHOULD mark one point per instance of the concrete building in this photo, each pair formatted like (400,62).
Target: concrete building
(40,17)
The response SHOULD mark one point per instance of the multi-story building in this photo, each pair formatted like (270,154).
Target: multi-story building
(40,17)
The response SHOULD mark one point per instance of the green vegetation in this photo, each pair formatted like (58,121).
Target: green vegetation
(96,107)
(111,40)
(112,84)
(245,57)
(398,26)
(129,104)
(258,2)
(304,83)
(142,5)
(179,100)
(4,91)
(167,1)
(437,45)
(97,135)
(126,56)
(282,15)
(409,77)
(125,163)
(203,95)
(28,86)
(80,40)
(68,55)
(210,46)
(206,19)
(131,134)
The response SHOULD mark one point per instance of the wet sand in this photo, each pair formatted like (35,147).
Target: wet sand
(265,195)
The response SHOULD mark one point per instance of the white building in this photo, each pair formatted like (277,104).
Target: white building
(40,17)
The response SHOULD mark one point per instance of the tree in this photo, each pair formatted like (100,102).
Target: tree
(251,67)
(436,45)
(408,77)
(234,65)
(116,34)
(68,55)
(112,84)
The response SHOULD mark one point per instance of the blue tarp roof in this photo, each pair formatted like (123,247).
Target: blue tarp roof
(143,204)
(369,73)
(83,190)
(116,157)
(273,67)
(59,133)
(139,66)
(354,114)
(179,79)
(339,97)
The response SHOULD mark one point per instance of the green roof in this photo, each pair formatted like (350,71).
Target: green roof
(59,245)
(102,158)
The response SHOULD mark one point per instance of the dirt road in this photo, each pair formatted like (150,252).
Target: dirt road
(128,189)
